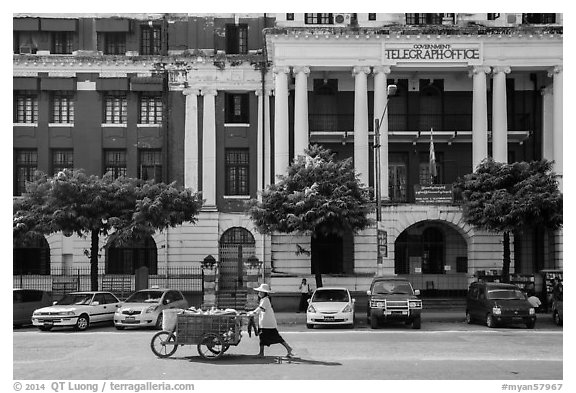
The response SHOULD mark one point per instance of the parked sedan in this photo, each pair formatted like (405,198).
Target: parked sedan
(144,308)
(330,306)
(24,302)
(78,310)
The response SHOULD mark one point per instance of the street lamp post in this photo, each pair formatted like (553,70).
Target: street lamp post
(390,91)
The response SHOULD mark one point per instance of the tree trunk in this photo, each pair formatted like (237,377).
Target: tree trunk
(94,260)
(316,270)
(506,261)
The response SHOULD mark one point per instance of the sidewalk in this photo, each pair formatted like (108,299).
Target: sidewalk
(450,315)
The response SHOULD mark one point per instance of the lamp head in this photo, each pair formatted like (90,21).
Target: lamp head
(391,90)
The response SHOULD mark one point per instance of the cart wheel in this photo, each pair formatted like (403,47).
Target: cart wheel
(164,344)
(211,346)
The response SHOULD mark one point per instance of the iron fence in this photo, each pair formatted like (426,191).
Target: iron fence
(183,278)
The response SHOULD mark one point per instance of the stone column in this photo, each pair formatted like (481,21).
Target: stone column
(209,148)
(301,132)
(281,141)
(267,139)
(209,295)
(381,113)
(479,116)
(191,139)
(556,73)
(547,123)
(361,150)
(499,115)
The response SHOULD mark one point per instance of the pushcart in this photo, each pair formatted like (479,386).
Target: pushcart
(212,334)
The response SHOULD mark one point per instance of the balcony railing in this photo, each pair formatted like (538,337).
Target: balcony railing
(405,122)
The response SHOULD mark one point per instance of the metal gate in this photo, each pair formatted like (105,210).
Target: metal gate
(236,246)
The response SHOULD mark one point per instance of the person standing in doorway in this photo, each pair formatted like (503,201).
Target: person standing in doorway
(304,290)
(268,331)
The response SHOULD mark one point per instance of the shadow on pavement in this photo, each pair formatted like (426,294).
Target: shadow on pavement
(253,359)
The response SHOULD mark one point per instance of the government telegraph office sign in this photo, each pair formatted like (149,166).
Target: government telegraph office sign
(420,52)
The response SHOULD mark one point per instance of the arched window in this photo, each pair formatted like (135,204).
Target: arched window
(236,246)
(126,258)
(31,256)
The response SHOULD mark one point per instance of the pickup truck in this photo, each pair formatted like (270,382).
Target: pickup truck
(393,299)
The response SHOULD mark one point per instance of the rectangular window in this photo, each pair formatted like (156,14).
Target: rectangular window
(62,159)
(112,43)
(237,172)
(236,109)
(26,108)
(115,163)
(318,19)
(398,178)
(539,18)
(289,16)
(151,109)
(371,16)
(426,19)
(150,40)
(62,108)
(237,39)
(62,42)
(26,163)
(493,16)
(115,108)
(150,165)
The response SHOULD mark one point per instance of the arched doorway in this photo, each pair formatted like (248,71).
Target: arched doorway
(31,256)
(433,254)
(236,246)
(127,258)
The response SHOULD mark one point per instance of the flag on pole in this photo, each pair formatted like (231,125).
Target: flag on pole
(433,172)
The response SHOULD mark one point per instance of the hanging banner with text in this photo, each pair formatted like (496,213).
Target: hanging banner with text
(436,193)
(418,52)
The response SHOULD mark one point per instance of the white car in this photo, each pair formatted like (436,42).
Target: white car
(144,308)
(78,310)
(330,306)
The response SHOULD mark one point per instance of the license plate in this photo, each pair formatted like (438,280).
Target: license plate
(48,323)
(129,318)
(328,317)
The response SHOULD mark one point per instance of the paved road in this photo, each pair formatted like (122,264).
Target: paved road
(440,351)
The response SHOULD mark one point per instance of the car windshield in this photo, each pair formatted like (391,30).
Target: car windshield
(330,295)
(392,287)
(75,298)
(145,297)
(506,294)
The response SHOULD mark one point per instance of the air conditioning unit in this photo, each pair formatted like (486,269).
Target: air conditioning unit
(25,50)
(342,19)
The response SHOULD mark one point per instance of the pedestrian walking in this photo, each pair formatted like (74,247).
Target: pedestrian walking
(305,291)
(268,331)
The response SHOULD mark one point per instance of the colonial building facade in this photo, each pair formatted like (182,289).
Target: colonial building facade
(223,103)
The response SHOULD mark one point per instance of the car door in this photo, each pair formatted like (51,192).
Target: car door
(112,304)
(98,311)
(472,301)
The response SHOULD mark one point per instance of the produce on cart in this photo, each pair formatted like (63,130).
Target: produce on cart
(212,331)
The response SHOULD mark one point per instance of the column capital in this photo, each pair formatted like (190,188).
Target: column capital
(304,69)
(190,91)
(267,93)
(381,69)
(361,69)
(478,70)
(281,70)
(546,91)
(209,92)
(499,69)
(556,70)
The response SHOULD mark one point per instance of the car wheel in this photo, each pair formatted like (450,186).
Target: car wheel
(468,318)
(530,324)
(310,325)
(82,323)
(373,322)
(159,321)
(490,321)
(557,319)
(45,328)
(416,323)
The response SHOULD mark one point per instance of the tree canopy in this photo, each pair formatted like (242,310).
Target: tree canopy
(318,194)
(124,208)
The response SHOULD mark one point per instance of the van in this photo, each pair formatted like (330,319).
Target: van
(498,304)
(25,301)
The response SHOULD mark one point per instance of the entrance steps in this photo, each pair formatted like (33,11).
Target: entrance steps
(235,299)
(456,303)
